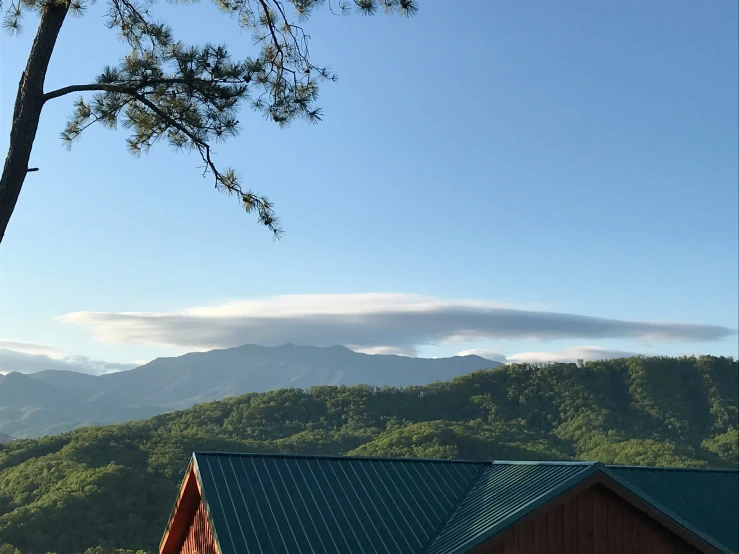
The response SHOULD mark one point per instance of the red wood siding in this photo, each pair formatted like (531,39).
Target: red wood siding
(595,521)
(199,539)
(189,531)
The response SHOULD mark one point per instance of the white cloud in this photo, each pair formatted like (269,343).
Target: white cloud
(368,321)
(30,348)
(388,350)
(483,353)
(570,355)
(34,358)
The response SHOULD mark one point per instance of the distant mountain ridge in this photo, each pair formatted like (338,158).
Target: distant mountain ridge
(54,401)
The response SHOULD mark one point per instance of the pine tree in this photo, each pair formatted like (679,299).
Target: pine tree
(187,95)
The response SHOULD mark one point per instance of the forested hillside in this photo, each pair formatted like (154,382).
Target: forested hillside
(114,486)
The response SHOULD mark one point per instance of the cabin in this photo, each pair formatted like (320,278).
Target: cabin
(264,503)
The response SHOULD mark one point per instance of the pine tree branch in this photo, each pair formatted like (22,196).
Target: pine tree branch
(137,86)
(80,88)
(250,200)
(136,94)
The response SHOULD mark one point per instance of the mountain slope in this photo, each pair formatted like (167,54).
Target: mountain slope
(74,490)
(28,404)
(82,384)
(55,401)
(18,391)
(202,376)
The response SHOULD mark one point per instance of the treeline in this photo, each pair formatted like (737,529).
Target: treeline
(97,489)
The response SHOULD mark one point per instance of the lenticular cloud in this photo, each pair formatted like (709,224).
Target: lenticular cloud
(396,322)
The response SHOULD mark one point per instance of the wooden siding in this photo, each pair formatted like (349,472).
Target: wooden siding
(199,538)
(595,521)
(189,531)
(184,511)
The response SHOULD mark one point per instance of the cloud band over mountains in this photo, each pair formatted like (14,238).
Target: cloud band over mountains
(400,322)
(571,354)
(29,358)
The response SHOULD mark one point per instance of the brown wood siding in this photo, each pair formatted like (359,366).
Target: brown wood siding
(199,539)
(595,521)
(186,506)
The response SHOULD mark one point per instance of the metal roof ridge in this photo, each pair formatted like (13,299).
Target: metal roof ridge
(473,484)
(544,463)
(462,461)
(339,457)
(667,468)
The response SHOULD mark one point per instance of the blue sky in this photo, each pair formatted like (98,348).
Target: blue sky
(577,157)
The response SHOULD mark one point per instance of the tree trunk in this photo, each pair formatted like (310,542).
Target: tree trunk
(27,111)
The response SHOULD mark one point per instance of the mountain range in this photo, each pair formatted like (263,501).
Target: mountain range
(54,401)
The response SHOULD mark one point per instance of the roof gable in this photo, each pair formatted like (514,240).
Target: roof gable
(185,508)
(272,503)
(703,501)
(506,492)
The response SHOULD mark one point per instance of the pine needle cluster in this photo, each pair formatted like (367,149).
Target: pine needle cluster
(190,95)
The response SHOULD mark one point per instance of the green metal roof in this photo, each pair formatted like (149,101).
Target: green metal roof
(506,492)
(260,503)
(704,501)
(272,503)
